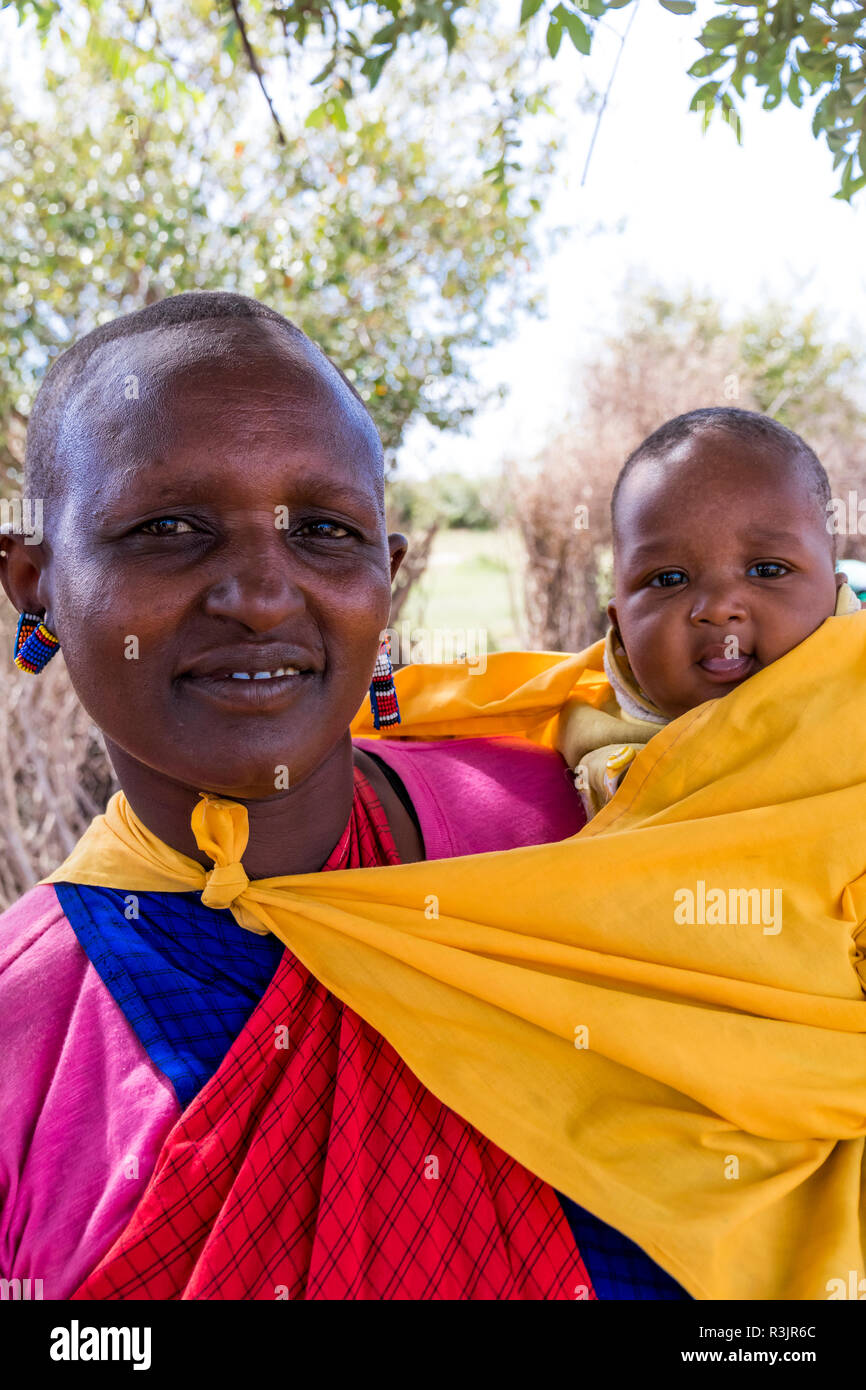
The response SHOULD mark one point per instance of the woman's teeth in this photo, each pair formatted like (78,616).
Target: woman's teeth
(265,675)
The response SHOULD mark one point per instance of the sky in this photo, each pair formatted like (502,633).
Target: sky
(738,222)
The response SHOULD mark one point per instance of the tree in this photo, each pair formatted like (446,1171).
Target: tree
(790,49)
(382,239)
(671,355)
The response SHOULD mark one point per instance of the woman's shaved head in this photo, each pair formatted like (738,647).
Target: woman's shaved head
(71,400)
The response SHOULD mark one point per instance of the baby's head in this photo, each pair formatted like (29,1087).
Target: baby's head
(723,560)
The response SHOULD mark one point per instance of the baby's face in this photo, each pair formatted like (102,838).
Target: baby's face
(723,563)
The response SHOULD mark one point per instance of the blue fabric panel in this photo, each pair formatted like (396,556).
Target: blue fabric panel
(618,1268)
(186,977)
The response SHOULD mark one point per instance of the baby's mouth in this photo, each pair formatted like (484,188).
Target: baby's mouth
(721,667)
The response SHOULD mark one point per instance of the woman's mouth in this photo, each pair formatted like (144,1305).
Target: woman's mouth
(250,690)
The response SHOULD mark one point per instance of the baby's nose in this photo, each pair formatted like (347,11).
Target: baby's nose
(719,605)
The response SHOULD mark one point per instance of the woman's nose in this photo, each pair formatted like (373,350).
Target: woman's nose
(257,589)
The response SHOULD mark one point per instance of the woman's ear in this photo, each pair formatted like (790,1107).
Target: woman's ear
(19,576)
(611,616)
(398,545)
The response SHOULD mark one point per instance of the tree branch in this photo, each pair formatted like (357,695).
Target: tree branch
(254,64)
(607,93)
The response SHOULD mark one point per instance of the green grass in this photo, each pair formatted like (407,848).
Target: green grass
(472,583)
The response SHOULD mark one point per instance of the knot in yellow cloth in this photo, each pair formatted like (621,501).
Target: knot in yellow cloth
(224,883)
(221,830)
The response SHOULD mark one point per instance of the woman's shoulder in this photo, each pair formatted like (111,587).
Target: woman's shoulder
(80,1100)
(475,795)
(32,929)
(44,977)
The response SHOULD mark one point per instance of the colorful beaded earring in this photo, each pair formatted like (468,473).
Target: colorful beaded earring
(383,693)
(34,644)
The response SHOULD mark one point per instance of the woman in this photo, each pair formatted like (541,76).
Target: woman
(216,570)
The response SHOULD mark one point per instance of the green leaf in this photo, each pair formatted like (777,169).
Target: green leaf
(529,8)
(388,34)
(372,68)
(774,94)
(679,6)
(795,91)
(326,72)
(230,38)
(555,32)
(849,188)
(732,116)
(710,63)
(317,117)
(704,101)
(846,176)
(724,29)
(577,30)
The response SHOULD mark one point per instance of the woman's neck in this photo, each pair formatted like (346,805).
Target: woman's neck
(292,832)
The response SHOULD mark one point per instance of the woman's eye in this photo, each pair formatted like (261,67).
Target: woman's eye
(668,579)
(324,530)
(768,565)
(160,521)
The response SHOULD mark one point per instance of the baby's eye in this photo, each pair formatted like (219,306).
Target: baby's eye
(324,530)
(667,579)
(769,565)
(161,521)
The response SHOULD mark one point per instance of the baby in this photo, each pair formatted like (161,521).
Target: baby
(723,562)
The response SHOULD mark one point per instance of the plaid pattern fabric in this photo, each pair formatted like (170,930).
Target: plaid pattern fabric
(314,1164)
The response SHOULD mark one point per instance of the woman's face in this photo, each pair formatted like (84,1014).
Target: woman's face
(225,519)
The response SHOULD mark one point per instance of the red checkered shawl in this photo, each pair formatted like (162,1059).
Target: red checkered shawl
(315,1165)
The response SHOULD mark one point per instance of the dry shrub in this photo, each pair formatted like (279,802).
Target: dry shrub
(54,772)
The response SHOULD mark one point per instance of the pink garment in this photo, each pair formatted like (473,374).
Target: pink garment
(72,1163)
(84,1111)
(479,794)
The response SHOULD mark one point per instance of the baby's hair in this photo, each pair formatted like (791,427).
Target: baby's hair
(747,424)
(67,372)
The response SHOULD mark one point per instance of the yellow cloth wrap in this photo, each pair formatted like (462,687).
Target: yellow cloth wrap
(702,1088)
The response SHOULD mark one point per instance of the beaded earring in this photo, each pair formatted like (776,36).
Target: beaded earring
(34,644)
(383,693)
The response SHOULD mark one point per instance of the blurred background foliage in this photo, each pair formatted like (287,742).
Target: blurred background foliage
(382,238)
(789,50)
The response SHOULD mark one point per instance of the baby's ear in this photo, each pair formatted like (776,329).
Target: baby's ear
(841,578)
